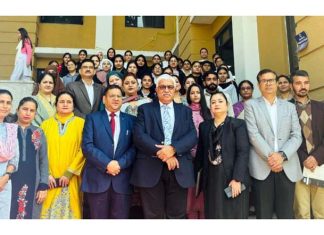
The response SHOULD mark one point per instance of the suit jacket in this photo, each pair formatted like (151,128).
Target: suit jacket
(148,132)
(261,137)
(82,105)
(235,150)
(317,109)
(98,149)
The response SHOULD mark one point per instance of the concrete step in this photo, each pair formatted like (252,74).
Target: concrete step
(19,90)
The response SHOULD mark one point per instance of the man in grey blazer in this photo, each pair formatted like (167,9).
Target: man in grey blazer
(87,93)
(275,136)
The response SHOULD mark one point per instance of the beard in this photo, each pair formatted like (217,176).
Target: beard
(301,93)
(212,88)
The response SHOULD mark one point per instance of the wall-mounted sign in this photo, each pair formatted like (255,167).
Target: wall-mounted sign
(302,41)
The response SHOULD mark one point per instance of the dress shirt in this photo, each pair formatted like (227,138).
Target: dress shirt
(90,91)
(171,113)
(273,113)
(117,127)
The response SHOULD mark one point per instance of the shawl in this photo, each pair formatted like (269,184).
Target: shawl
(8,147)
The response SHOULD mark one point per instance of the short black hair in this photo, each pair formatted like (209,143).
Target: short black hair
(110,87)
(85,61)
(302,73)
(203,48)
(207,73)
(264,71)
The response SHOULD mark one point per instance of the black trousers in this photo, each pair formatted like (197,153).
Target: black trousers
(275,194)
(108,205)
(167,199)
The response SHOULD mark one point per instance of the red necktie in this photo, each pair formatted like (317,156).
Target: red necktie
(112,122)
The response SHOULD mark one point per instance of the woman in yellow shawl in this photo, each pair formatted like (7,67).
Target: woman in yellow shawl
(64,134)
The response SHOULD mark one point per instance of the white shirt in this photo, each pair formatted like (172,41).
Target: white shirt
(273,113)
(90,91)
(117,127)
(171,113)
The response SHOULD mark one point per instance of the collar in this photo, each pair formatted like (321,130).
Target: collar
(116,113)
(300,104)
(267,102)
(170,105)
(86,83)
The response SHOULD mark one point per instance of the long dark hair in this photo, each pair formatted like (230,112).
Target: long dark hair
(27,99)
(204,110)
(24,36)
(4,91)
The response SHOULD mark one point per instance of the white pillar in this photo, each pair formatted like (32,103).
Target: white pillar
(246,49)
(104,33)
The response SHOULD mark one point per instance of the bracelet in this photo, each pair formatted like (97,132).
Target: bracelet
(7,173)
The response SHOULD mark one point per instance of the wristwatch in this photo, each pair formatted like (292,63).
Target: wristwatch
(283,155)
(8,173)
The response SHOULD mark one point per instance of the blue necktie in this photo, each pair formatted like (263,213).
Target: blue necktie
(167,127)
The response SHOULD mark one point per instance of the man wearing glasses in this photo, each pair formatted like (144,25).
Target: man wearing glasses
(275,136)
(164,134)
(87,93)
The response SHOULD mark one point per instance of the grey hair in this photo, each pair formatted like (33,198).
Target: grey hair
(165,77)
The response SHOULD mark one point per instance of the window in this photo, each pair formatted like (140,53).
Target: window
(62,19)
(144,21)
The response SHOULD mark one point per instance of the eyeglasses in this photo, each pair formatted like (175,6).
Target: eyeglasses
(268,81)
(87,67)
(115,96)
(164,87)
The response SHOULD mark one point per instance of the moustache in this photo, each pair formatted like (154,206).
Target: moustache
(212,87)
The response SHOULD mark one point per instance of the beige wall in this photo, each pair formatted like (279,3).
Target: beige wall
(144,39)
(311,58)
(273,43)
(8,40)
(68,35)
(192,37)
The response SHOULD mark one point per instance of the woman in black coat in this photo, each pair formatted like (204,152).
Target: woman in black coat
(223,155)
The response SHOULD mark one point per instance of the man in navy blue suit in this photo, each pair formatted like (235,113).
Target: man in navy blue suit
(108,147)
(164,134)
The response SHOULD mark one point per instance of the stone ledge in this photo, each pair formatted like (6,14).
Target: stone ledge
(19,90)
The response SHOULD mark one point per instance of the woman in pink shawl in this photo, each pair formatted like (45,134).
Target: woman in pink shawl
(9,153)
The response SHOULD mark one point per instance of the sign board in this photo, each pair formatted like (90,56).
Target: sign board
(302,41)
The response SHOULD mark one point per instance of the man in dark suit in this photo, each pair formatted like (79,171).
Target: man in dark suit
(108,147)
(87,93)
(164,134)
(309,194)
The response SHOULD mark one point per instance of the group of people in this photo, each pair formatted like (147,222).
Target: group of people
(174,143)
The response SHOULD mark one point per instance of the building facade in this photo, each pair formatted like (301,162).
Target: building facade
(247,43)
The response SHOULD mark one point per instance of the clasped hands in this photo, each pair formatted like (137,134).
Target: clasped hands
(275,161)
(167,155)
(310,163)
(63,181)
(113,168)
